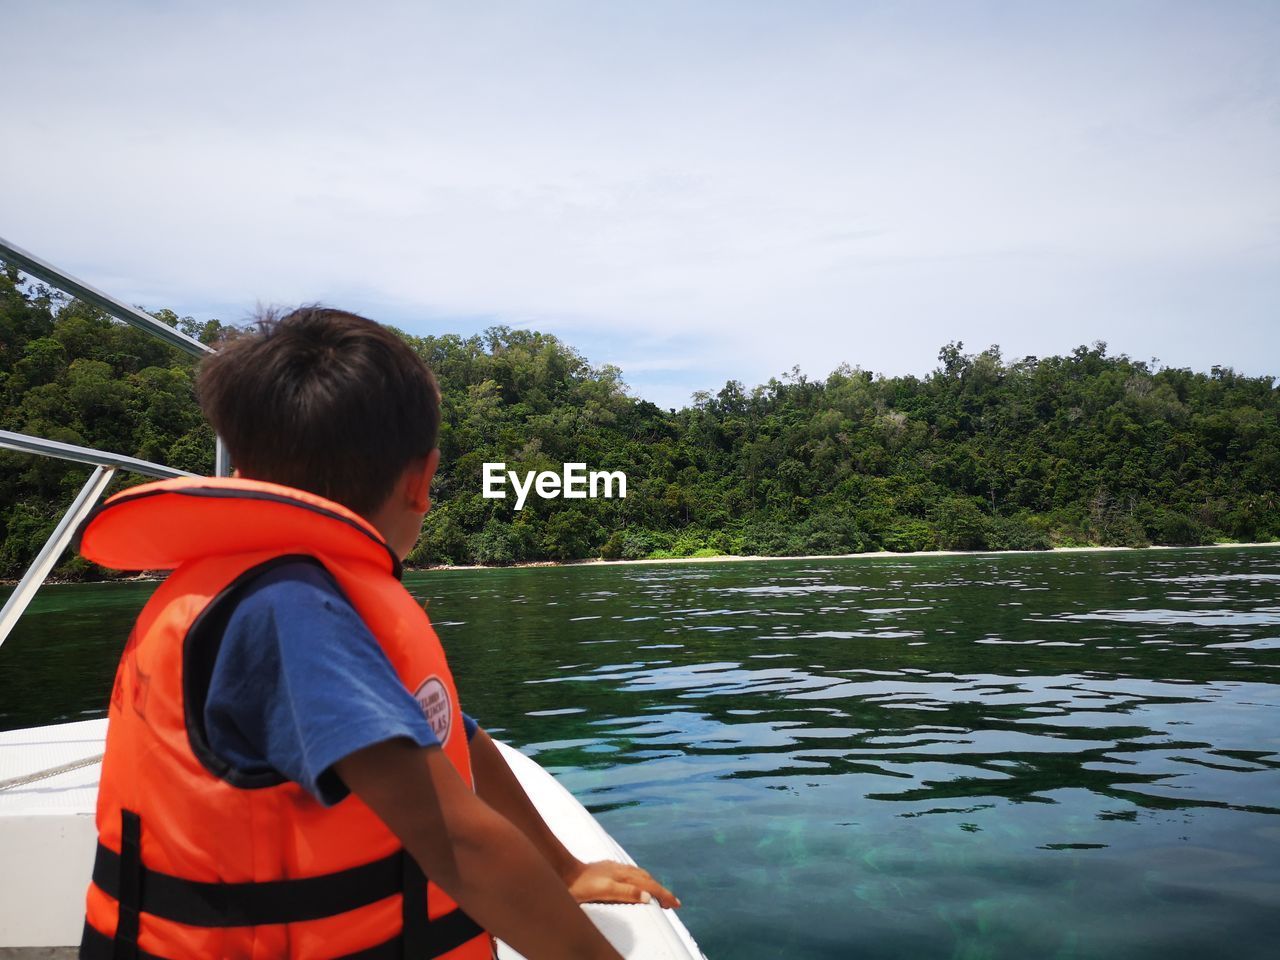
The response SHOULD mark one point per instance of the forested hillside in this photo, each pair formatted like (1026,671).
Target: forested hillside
(983,453)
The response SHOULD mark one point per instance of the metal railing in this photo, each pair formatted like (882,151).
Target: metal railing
(104,463)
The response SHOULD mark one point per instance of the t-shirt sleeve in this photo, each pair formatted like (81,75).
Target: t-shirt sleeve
(300,682)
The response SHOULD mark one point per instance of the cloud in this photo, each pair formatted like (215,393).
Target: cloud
(773,183)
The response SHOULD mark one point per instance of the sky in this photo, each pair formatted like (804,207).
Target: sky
(695,191)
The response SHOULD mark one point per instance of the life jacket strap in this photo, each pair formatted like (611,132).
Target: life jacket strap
(199,904)
(128,886)
(98,946)
(455,929)
(195,903)
(414,919)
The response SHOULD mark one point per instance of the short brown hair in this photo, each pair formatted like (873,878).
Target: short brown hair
(322,400)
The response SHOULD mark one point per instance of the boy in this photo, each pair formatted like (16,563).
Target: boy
(283,667)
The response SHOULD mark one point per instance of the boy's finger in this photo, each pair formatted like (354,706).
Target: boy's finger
(637,894)
(644,880)
(618,892)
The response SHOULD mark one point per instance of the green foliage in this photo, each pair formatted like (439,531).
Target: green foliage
(571,535)
(908,535)
(1015,533)
(961,525)
(69,373)
(634,545)
(1177,529)
(494,545)
(981,454)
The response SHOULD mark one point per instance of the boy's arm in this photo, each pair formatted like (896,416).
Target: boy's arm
(472,852)
(603,881)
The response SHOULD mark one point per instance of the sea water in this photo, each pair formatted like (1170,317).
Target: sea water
(1071,755)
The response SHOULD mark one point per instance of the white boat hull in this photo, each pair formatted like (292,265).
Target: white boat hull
(47,842)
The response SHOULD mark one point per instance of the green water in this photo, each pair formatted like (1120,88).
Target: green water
(1042,756)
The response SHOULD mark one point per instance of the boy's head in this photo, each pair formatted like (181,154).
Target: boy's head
(325,401)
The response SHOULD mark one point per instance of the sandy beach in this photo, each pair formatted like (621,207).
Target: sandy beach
(870,555)
(726,558)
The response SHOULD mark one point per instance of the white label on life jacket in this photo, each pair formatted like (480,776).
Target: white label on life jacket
(433,697)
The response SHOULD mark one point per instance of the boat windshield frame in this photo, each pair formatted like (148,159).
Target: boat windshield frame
(104,463)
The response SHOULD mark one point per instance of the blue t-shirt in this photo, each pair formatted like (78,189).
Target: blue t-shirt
(300,682)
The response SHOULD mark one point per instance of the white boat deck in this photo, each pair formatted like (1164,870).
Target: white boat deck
(47,842)
(46,827)
(27,752)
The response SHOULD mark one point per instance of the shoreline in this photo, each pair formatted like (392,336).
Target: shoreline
(729,558)
(870,555)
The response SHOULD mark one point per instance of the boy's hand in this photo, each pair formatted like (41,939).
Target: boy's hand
(600,882)
(476,855)
(608,882)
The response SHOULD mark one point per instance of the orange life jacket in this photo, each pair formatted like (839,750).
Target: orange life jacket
(196,859)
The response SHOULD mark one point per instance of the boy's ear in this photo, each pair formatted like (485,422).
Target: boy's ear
(419,480)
